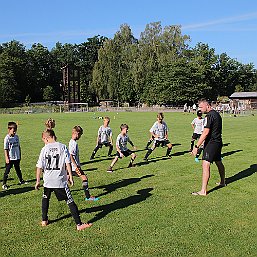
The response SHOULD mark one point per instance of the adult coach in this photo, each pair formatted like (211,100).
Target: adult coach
(212,138)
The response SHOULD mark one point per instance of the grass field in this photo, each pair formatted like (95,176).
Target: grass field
(147,210)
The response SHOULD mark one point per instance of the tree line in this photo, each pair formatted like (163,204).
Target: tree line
(158,68)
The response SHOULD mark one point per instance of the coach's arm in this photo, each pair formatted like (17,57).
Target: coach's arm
(205,133)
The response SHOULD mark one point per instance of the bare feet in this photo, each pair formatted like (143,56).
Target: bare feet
(199,193)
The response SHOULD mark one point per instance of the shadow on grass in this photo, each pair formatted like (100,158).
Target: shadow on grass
(226,144)
(153,160)
(16,191)
(230,153)
(96,160)
(240,175)
(119,184)
(104,210)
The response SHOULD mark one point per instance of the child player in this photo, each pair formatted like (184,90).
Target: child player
(197,125)
(104,137)
(77,132)
(12,152)
(159,131)
(53,160)
(122,149)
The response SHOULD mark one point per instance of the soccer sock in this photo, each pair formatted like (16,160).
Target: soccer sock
(110,150)
(75,212)
(45,207)
(148,153)
(192,145)
(95,150)
(168,151)
(85,188)
(149,142)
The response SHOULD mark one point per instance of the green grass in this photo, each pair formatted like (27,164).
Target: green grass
(147,210)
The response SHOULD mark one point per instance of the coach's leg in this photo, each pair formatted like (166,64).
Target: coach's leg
(221,169)
(205,178)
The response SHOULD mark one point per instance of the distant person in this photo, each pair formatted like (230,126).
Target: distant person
(194,108)
(122,149)
(12,152)
(159,131)
(104,137)
(197,125)
(77,132)
(53,160)
(185,107)
(212,138)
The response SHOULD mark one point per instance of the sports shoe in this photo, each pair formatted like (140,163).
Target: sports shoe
(4,186)
(92,158)
(23,182)
(44,223)
(196,159)
(131,165)
(110,169)
(168,155)
(84,226)
(92,198)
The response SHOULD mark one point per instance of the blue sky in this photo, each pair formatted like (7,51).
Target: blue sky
(227,25)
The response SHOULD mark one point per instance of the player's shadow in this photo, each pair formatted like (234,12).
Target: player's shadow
(119,184)
(153,160)
(226,144)
(179,153)
(9,179)
(240,175)
(176,144)
(230,153)
(104,210)
(96,160)
(16,191)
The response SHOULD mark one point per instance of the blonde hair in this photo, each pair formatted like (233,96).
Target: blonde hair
(160,116)
(50,123)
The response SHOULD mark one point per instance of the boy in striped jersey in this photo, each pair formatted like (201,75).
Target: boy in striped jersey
(53,160)
(104,137)
(159,131)
(122,149)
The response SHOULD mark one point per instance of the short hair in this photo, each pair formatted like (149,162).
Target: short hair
(49,133)
(160,115)
(199,113)
(107,118)
(78,129)
(204,100)
(122,126)
(50,123)
(12,124)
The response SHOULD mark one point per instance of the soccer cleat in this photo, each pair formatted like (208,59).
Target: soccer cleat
(110,169)
(84,226)
(23,182)
(44,223)
(168,155)
(196,159)
(4,186)
(92,158)
(92,198)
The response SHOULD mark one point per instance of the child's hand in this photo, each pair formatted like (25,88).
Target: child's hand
(121,155)
(71,181)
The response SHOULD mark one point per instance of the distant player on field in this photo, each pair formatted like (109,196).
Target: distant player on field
(104,137)
(122,149)
(53,160)
(198,126)
(12,152)
(77,132)
(160,132)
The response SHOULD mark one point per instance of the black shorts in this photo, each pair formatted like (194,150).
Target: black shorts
(106,144)
(196,136)
(212,152)
(161,143)
(125,153)
(62,194)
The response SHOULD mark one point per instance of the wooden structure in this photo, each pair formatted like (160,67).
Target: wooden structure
(245,100)
(71,84)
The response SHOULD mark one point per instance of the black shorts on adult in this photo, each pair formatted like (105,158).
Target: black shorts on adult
(196,136)
(62,194)
(125,153)
(161,143)
(212,152)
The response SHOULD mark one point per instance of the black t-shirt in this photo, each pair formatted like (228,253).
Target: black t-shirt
(213,121)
